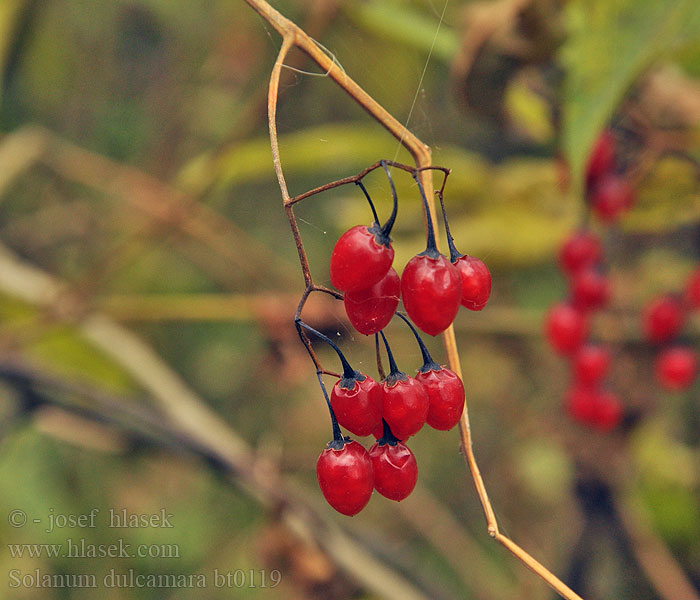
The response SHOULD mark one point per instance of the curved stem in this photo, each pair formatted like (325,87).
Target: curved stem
(392,362)
(337,434)
(371,204)
(386,230)
(431,246)
(428,361)
(454,253)
(348,371)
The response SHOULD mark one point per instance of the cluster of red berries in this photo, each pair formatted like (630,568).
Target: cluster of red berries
(609,195)
(432,289)
(431,286)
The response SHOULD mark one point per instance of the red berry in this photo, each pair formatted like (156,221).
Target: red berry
(676,368)
(612,197)
(357,403)
(591,364)
(692,289)
(663,319)
(370,310)
(446,396)
(566,328)
(344,472)
(581,249)
(361,257)
(431,288)
(395,470)
(405,405)
(602,158)
(590,289)
(608,411)
(581,403)
(476,281)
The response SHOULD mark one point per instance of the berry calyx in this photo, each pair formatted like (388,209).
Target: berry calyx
(345,476)
(394,466)
(566,328)
(431,286)
(676,368)
(445,389)
(590,364)
(663,319)
(405,400)
(371,309)
(581,249)
(611,197)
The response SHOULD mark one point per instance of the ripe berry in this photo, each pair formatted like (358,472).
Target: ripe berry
(356,399)
(361,257)
(431,288)
(611,197)
(405,401)
(370,310)
(566,328)
(692,289)
(357,403)
(590,364)
(476,281)
(445,389)
(590,289)
(345,475)
(676,368)
(592,406)
(581,249)
(394,466)
(608,411)
(602,158)
(581,403)
(663,319)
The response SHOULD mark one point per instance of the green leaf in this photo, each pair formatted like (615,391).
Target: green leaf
(611,42)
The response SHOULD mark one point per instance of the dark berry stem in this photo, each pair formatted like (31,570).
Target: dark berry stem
(431,247)
(348,371)
(454,253)
(387,436)
(392,362)
(337,434)
(371,204)
(386,230)
(428,363)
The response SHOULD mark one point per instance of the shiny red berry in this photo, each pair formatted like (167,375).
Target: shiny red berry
(590,289)
(445,394)
(361,257)
(594,407)
(581,249)
(405,405)
(370,310)
(476,281)
(566,328)
(590,364)
(663,319)
(611,197)
(395,469)
(692,290)
(581,403)
(602,158)
(676,368)
(357,403)
(431,289)
(608,411)
(344,472)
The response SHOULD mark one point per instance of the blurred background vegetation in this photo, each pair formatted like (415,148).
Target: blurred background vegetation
(148,281)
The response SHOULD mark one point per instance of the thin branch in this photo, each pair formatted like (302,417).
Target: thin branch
(292,35)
